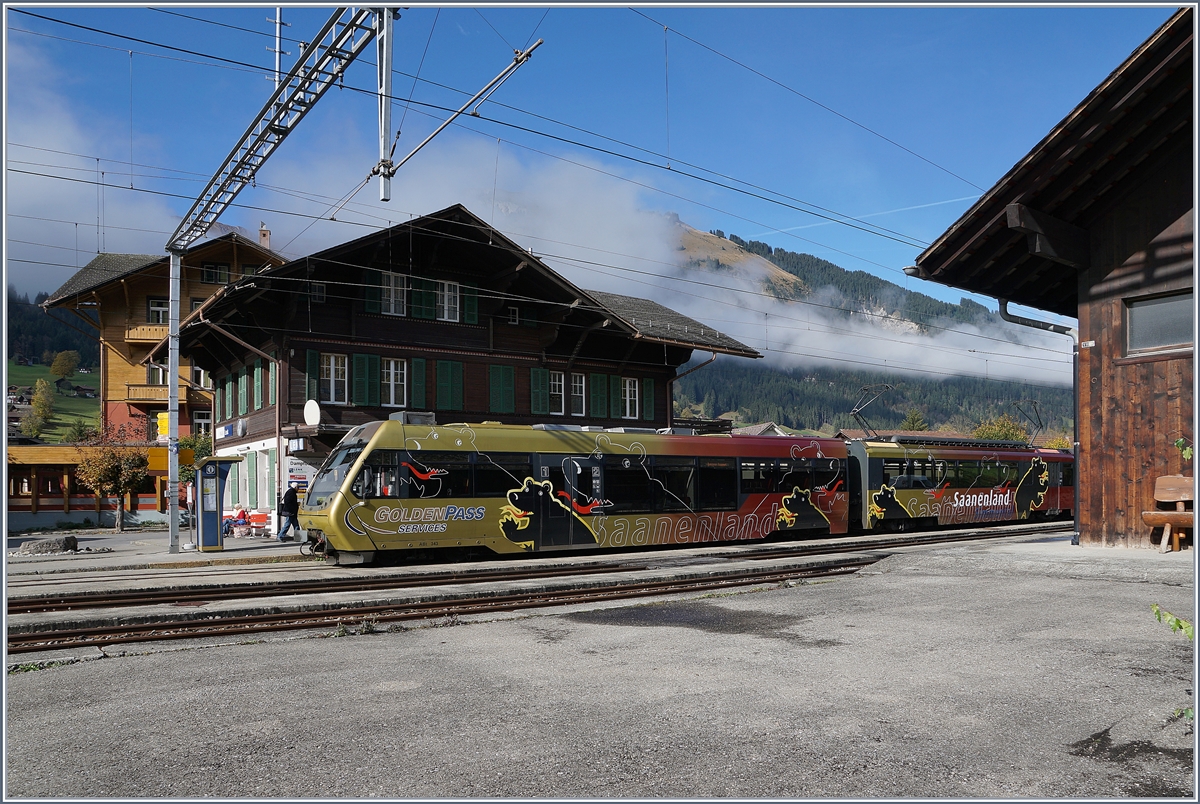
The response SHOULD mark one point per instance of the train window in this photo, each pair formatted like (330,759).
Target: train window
(894,468)
(826,473)
(381,476)
(758,476)
(1068,474)
(332,475)
(718,484)
(497,474)
(439,474)
(627,484)
(793,475)
(676,483)
(968,474)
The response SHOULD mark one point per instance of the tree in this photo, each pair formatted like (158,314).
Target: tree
(78,430)
(43,399)
(1060,441)
(65,363)
(1001,428)
(32,424)
(914,421)
(202,446)
(111,464)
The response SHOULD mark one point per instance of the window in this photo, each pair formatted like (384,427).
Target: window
(629,398)
(675,479)
(757,476)
(393,294)
(1158,324)
(258,394)
(332,387)
(718,484)
(447,301)
(201,378)
(215,273)
(627,484)
(196,304)
(202,422)
(577,394)
(393,376)
(159,312)
(514,315)
(316,292)
(556,393)
(498,473)
(156,375)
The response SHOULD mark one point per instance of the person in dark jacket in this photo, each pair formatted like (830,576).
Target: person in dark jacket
(288,509)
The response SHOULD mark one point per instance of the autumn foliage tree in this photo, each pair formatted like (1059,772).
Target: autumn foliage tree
(112,464)
(65,363)
(1002,428)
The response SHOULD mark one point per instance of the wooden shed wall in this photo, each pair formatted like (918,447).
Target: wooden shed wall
(1131,409)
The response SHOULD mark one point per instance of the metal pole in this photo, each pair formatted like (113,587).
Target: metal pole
(278,38)
(173,391)
(383,51)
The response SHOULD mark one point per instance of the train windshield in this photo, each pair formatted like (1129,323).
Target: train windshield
(332,473)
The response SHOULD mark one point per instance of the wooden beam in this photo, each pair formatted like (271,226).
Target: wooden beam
(1051,238)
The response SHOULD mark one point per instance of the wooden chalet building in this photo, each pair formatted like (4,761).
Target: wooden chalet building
(1097,223)
(442,316)
(125,298)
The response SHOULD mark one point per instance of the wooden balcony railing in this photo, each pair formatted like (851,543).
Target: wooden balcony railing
(146,393)
(145,333)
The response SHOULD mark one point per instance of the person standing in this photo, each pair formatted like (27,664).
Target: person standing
(289,508)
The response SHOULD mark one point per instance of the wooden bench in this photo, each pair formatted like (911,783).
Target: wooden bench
(1178,490)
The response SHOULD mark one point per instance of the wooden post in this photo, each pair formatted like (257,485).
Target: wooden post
(33,489)
(66,489)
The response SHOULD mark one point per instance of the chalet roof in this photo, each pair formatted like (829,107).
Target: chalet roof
(652,321)
(108,267)
(1138,117)
(766,428)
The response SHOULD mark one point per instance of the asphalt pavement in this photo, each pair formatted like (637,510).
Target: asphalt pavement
(1028,669)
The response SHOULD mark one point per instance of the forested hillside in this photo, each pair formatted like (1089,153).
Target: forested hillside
(862,290)
(816,399)
(32,333)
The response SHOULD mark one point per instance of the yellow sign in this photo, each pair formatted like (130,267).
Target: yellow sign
(164,423)
(158,458)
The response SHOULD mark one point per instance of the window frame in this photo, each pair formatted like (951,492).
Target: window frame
(557,377)
(153,372)
(629,397)
(202,422)
(443,295)
(165,310)
(391,284)
(211,273)
(388,384)
(328,382)
(579,380)
(1130,305)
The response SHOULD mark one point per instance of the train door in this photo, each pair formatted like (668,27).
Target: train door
(553,519)
(585,488)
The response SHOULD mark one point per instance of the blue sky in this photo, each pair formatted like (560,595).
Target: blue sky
(970,90)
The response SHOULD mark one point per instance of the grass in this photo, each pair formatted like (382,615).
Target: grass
(66,408)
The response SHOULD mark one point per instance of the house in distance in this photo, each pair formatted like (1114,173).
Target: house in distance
(443,318)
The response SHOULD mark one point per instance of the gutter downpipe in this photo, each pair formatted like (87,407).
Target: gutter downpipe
(671,390)
(1073,334)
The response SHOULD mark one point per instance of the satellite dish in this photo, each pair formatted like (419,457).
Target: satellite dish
(312,413)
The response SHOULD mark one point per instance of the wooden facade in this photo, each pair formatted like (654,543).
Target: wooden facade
(1096,222)
(442,315)
(124,298)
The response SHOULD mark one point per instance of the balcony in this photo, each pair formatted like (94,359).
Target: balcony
(142,392)
(145,333)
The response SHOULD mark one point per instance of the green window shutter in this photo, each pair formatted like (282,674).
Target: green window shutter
(442,373)
(502,389)
(232,482)
(229,396)
(648,399)
(617,410)
(243,381)
(272,380)
(599,384)
(424,299)
(372,379)
(272,481)
(258,398)
(252,479)
(456,385)
(539,391)
(312,374)
(217,401)
(371,290)
(495,389)
(416,389)
(470,304)
(359,380)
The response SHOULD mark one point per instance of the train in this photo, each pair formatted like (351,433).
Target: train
(391,487)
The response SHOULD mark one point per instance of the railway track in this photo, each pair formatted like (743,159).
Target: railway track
(24,637)
(357,615)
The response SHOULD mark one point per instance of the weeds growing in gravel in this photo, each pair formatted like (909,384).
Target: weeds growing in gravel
(1177,625)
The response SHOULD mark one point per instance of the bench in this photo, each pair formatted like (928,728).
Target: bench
(1179,491)
(257,524)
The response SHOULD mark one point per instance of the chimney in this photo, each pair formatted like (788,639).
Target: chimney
(264,235)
